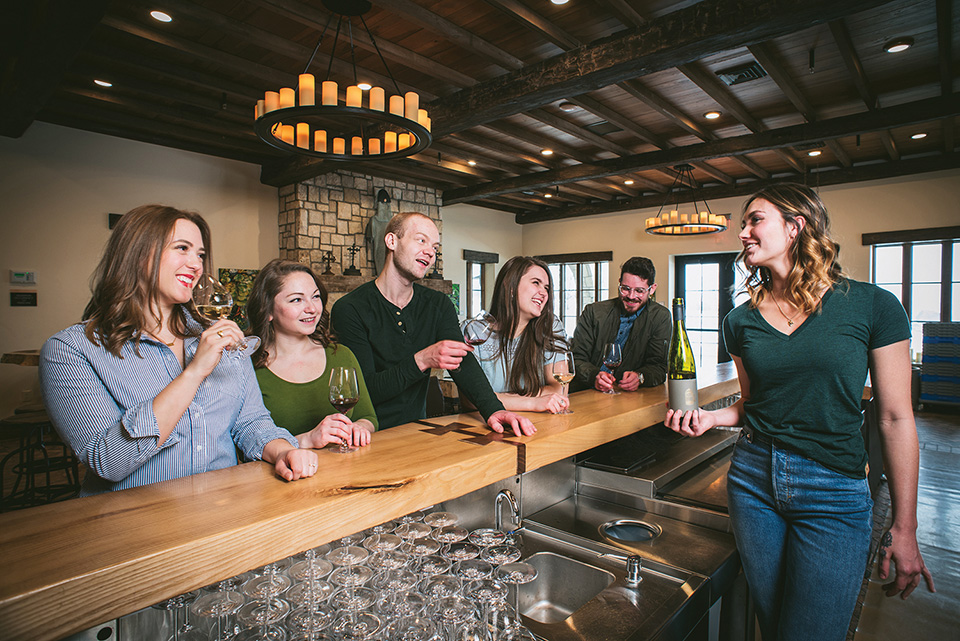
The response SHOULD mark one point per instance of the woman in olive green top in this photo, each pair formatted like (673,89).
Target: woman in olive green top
(287,309)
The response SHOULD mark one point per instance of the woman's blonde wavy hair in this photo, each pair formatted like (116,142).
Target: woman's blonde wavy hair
(816,267)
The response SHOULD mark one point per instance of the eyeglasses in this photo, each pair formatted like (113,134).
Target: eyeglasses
(639,291)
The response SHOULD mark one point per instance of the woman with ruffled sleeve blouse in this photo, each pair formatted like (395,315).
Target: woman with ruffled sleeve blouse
(142,390)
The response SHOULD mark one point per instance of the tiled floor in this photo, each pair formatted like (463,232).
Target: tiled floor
(925,615)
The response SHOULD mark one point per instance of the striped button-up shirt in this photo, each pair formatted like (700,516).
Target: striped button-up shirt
(102,407)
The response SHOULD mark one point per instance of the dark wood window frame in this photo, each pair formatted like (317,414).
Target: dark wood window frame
(578,259)
(727,284)
(474,257)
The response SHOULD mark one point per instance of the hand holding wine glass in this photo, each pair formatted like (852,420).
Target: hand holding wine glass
(215,302)
(476,330)
(563,371)
(612,358)
(344,394)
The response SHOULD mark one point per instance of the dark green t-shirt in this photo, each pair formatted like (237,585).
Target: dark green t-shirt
(300,407)
(385,338)
(806,388)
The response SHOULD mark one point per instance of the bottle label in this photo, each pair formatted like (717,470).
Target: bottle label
(683,394)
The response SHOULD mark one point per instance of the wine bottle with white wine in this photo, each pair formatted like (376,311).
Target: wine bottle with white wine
(681,366)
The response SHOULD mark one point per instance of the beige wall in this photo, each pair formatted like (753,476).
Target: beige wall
(927,200)
(479,229)
(57,186)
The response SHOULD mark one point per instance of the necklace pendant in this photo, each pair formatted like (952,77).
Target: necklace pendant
(789,323)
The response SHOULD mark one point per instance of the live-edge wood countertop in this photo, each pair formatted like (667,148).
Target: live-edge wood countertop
(71,565)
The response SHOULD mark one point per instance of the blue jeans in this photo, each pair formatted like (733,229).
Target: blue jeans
(803,532)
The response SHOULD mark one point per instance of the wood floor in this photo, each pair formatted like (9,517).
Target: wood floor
(925,615)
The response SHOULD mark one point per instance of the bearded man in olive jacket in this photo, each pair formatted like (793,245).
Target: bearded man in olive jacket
(641,326)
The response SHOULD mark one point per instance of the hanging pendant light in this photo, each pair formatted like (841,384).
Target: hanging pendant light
(695,223)
(321,125)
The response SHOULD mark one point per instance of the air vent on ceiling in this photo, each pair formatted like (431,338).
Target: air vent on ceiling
(603,128)
(741,74)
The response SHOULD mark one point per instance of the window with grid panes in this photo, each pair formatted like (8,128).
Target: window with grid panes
(705,283)
(924,275)
(576,284)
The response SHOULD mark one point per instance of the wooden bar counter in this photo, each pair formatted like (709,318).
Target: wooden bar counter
(71,565)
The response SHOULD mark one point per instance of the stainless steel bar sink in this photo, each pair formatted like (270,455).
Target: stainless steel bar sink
(581,593)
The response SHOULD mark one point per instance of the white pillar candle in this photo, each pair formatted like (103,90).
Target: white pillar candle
(354,96)
(411,105)
(307,86)
(396,105)
(339,146)
(286,134)
(258,110)
(288,97)
(403,141)
(303,135)
(373,145)
(328,93)
(356,146)
(320,141)
(376,98)
(389,142)
(271,101)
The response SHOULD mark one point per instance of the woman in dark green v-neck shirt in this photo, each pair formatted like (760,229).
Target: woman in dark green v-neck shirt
(288,310)
(799,502)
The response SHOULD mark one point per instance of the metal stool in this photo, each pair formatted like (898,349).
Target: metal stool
(39,455)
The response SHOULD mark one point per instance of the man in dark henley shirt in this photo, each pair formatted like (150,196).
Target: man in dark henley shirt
(399,330)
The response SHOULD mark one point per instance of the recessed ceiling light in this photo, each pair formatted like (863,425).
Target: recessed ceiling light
(898,44)
(814,152)
(365,86)
(103,83)
(628,182)
(472,163)
(559,1)
(548,195)
(919,135)
(546,152)
(712,115)
(567,106)
(160,16)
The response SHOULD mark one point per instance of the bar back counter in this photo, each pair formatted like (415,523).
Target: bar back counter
(71,565)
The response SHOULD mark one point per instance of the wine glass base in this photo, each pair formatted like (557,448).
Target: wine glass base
(612,393)
(245,348)
(565,411)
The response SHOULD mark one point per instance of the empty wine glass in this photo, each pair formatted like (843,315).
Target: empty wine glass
(563,371)
(612,357)
(460,551)
(219,607)
(344,394)
(474,569)
(450,534)
(412,628)
(452,611)
(176,606)
(441,519)
(485,537)
(500,554)
(214,302)
(516,574)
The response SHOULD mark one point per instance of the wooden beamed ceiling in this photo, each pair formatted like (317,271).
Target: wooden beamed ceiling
(618,89)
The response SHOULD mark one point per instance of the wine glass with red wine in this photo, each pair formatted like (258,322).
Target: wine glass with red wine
(344,394)
(612,357)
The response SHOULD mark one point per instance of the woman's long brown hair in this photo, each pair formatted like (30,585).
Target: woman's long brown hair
(525,371)
(125,283)
(267,285)
(815,254)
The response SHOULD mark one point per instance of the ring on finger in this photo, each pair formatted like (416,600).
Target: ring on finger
(220,333)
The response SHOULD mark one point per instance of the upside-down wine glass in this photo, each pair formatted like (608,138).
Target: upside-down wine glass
(344,394)
(563,371)
(612,357)
(214,302)
(516,574)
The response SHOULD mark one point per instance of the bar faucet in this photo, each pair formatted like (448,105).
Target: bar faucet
(506,495)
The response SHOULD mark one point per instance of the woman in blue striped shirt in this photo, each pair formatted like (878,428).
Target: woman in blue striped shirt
(140,390)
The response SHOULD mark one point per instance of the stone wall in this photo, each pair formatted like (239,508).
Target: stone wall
(331,212)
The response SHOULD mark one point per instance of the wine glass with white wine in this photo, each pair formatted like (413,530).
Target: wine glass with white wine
(215,302)
(563,371)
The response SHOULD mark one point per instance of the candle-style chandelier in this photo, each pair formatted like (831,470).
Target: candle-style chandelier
(370,127)
(673,223)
